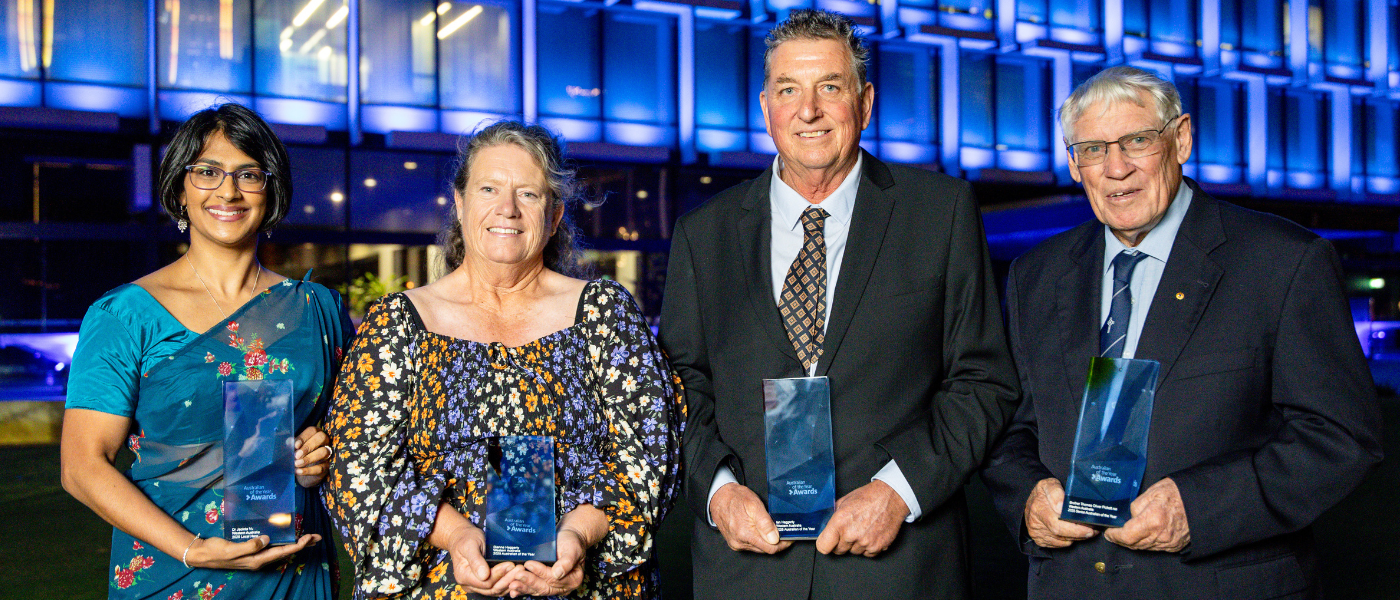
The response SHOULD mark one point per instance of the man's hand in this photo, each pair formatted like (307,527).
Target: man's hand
(743,520)
(1158,523)
(866,521)
(1043,521)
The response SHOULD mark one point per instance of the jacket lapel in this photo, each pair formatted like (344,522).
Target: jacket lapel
(755,252)
(869,220)
(1077,309)
(1192,274)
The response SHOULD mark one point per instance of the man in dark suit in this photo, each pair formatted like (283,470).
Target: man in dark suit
(1265,413)
(921,379)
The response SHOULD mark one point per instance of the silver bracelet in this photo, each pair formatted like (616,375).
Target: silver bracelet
(186,554)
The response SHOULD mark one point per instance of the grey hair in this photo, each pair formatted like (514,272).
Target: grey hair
(813,24)
(562,252)
(1119,84)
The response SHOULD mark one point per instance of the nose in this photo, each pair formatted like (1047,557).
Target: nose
(508,206)
(1116,164)
(228,187)
(809,110)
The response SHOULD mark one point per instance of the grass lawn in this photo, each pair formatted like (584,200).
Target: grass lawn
(54,547)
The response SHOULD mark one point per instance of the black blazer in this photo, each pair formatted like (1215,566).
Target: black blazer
(1265,414)
(915,350)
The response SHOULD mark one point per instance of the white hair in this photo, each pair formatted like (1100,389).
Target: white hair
(1119,84)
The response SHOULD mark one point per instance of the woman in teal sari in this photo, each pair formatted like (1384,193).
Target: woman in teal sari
(145,376)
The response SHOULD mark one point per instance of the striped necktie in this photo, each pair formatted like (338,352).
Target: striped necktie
(1113,337)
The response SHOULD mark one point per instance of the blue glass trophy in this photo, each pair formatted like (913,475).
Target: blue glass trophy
(260,496)
(801,466)
(519,518)
(1110,447)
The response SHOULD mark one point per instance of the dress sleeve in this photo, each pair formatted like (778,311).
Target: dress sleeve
(645,410)
(382,500)
(106,366)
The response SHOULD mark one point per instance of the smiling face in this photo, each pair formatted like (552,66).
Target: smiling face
(1130,195)
(506,213)
(815,108)
(224,215)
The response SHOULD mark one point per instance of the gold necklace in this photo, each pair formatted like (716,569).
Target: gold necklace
(189,262)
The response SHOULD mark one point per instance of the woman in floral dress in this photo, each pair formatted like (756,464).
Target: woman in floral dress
(144,376)
(507,343)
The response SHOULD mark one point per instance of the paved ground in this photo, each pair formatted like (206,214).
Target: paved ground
(53,547)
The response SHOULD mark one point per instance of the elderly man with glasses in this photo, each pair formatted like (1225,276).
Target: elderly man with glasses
(1265,414)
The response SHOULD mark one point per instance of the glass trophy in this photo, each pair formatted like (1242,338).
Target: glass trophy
(519,518)
(1110,447)
(260,496)
(801,467)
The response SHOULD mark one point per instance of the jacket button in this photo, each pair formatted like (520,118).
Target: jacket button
(1100,567)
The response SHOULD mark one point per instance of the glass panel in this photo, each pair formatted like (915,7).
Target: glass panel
(1034,11)
(1230,24)
(722,92)
(301,49)
(1023,100)
(570,61)
(1344,32)
(903,115)
(479,60)
(1307,113)
(81,27)
(400,192)
(19,39)
(1082,15)
(1381,138)
(756,49)
(319,186)
(205,45)
(1219,110)
(396,52)
(1261,26)
(1135,18)
(639,67)
(976,99)
(628,204)
(1175,24)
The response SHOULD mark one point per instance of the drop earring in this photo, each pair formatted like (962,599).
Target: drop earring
(182,223)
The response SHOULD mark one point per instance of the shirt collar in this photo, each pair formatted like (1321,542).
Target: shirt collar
(1158,241)
(788,204)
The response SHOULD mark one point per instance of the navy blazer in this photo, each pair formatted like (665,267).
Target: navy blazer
(917,356)
(1265,414)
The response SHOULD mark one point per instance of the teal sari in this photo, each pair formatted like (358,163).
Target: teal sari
(134,359)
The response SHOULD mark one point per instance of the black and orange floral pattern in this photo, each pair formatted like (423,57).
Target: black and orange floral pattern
(414,410)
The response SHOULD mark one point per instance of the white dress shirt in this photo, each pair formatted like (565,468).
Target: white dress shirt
(1157,245)
(786,206)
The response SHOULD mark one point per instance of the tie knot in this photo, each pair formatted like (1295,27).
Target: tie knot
(1123,265)
(814,219)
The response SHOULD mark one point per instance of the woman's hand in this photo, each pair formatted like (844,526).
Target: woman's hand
(313,457)
(563,577)
(254,554)
(467,548)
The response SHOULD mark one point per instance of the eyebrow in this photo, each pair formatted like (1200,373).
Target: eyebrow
(210,161)
(833,76)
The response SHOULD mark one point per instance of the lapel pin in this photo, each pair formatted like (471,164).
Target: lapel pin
(1180,296)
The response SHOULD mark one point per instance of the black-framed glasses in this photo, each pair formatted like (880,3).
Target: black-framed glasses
(1134,145)
(208,177)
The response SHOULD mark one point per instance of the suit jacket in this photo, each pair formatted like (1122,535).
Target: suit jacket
(915,350)
(1265,413)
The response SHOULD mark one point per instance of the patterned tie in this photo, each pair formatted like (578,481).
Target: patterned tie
(803,304)
(1114,334)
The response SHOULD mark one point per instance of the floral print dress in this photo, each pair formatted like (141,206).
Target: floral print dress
(135,360)
(414,412)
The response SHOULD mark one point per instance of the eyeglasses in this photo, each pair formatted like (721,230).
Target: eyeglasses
(206,177)
(1134,145)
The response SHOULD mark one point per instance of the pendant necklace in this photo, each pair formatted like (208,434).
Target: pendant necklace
(189,262)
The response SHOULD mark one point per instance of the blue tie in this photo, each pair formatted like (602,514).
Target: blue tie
(1114,334)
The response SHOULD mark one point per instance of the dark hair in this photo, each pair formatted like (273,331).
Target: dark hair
(246,131)
(814,24)
(562,252)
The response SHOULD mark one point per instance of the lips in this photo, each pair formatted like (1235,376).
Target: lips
(1122,194)
(503,230)
(226,213)
(812,134)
